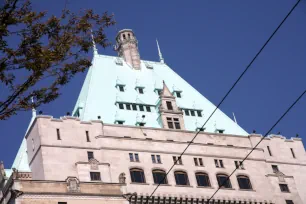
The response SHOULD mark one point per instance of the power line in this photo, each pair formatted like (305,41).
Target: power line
(268,132)
(230,90)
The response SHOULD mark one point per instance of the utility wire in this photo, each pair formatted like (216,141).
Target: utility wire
(230,90)
(268,132)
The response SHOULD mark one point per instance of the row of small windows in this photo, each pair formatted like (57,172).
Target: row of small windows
(189,112)
(181,179)
(134,107)
(140,90)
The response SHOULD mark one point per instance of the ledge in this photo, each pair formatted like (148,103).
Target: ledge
(207,187)
(251,190)
(187,186)
(227,189)
(139,183)
(161,184)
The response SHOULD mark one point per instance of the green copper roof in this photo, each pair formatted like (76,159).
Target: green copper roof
(99,95)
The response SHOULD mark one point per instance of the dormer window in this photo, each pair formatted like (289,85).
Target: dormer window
(178,94)
(199,113)
(140,90)
(158,91)
(186,112)
(173,123)
(199,129)
(121,106)
(221,131)
(121,88)
(169,105)
(119,122)
(192,112)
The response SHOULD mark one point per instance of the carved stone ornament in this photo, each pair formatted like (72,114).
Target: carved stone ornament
(122,178)
(94,164)
(281,176)
(73,184)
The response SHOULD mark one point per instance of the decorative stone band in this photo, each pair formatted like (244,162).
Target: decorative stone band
(140,199)
(74,196)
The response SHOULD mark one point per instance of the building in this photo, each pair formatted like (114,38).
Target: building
(130,123)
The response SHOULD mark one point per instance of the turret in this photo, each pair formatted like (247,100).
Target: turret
(127,48)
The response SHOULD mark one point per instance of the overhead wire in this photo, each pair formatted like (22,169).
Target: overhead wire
(229,91)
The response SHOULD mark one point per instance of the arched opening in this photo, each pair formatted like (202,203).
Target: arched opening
(224,181)
(181,178)
(123,35)
(244,182)
(137,176)
(159,176)
(202,179)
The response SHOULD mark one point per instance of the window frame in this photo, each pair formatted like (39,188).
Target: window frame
(229,184)
(169,105)
(275,168)
(148,108)
(178,182)
(121,106)
(134,107)
(90,155)
(141,107)
(156,171)
(128,106)
(142,175)
(249,183)
(121,88)
(178,94)
(140,90)
(284,188)
(92,173)
(186,111)
(198,174)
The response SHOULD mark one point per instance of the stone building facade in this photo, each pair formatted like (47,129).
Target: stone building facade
(132,120)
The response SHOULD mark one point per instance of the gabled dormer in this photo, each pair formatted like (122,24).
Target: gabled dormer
(171,116)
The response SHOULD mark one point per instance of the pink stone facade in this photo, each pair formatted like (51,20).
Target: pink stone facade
(56,159)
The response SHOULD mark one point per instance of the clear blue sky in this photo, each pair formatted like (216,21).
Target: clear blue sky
(208,43)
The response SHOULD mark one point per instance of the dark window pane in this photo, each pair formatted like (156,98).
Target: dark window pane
(160,177)
(159,92)
(284,187)
(180,160)
(141,108)
(244,182)
(131,156)
(141,124)
(199,113)
(136,157)
(95,176)
(158,158)
(202,179)
(90,155)
(148,108)
(87,136)
(120,122)
(174,159)
(187,112)
(275,168)
(181,178)
(200,161)
(223,181)
(121,106)
(178,94)
(195,161)
(236,164)
(289,202)
(140,90)
(121,88)
(170,125)
(58,134)
(153,158)
(128,106)
(216,163)
(134,107)
(221,163)
(177,125)
(137,176)
(169,105)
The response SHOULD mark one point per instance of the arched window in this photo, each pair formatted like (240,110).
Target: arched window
(202,179)
(224,181)
(244,182)
(181,178)
(124,36)
(159,176)
(137,176)
(129,36)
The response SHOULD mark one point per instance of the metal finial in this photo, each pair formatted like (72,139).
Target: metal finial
(161,59)
(95,50)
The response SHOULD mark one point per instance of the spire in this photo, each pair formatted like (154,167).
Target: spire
(166,92)
(95,50)
(161,59)
(234,118)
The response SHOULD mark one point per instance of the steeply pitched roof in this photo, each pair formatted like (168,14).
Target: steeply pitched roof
(99,95)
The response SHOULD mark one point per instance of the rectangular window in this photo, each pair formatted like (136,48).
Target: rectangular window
(148,108)
(158,159)
(221,163)
(140,90)
(131,157)
(284,188)
(90,155)
(136,157)
(61,202)
(199,113)
(216,163)
(186,112)
(95,176)
(192,113)
(177,123)
(87,136)
(178,159)
(58,134)
(292,152)
(195,161)
(121,106)
(201,162)
(153,158)
(134,106)
(169,105)
(275,168)
(178,94)
(170,123)
(269,150)
(128,106)
(120,122)
(141,108)
(121,88)
(289,202)
(239,165)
